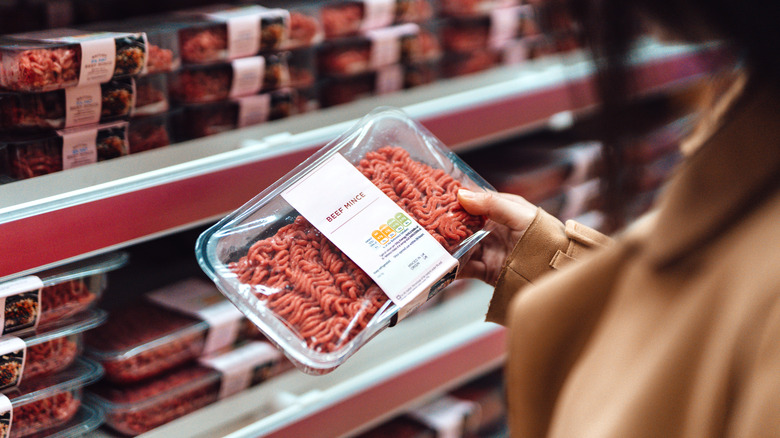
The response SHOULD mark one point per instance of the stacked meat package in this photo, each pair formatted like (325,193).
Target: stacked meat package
(43,323)
(67,96)
(180,348)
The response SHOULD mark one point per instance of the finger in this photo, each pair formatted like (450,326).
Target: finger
(507,209)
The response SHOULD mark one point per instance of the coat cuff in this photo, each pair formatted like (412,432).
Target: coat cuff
(547,245)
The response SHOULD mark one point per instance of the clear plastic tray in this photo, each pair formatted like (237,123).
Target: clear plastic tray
(75,287)
(38,62)
(318,336)
(87,419)
(162,40)
(337,90)
(54,348)
(141,407)
(209,83)
(372,50)
(34,111)
(151,95)
(200,120)
(53,401)
(154,131)
(143,340)
(32,155)
(471,8)
(349,17)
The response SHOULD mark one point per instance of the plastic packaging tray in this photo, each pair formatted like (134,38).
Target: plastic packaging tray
(36,62)
(248,29)
(302,64)
(151,95)
(319,331)
(471,8)
(337,90)
(155,131)
(162,40)
(350,17)
(45,405)
(138,408)
(370,51)
(76,287)
(29,156)
(87,419)
(305,26)
(102,103)
(143,340)
(200,120)
(48,352)
(244,77)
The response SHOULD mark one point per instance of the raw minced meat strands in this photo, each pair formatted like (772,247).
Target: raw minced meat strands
(322,295)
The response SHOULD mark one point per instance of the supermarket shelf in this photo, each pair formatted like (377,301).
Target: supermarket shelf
(69,215)
(408,364)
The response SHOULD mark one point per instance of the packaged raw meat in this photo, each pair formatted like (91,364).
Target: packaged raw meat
(63,58)
(320,290)
(47,405)
(151,95)
(162,40)
(75,287)
(462,64)
(489,32)
(71,107)
(344,18)
(371,50)
(302,66)
(238,78)
(414,11)
(200,120)
(248,29)
(49,351)
(149,337)
(86,420)
(305,26)
(200,41)
(140,407)
(461,8)
(155,131)
(49,151)
(421,73)
(337,90)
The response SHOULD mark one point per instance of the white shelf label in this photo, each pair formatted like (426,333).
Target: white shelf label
(395,251)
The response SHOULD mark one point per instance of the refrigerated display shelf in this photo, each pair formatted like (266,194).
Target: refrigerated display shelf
(61,217)
(420,358)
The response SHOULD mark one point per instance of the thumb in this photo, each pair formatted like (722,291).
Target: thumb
(507,209)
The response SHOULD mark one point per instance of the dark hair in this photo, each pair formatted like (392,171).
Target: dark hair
(746,29)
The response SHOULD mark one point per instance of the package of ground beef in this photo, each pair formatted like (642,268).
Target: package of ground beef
(77,106)
(237,78)
(29,155)
(140,407)
(49,406)
(63,58)
(162,40)
(35,301)
(349,242)
(203,119)
(154,131)
(173,325)
(51,350)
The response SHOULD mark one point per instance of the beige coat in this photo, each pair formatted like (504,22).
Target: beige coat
(673,330)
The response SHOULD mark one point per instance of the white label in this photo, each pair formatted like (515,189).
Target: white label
(377,13)
(515,52)
(446,415)
(238,367)
(386,43)
(79,148)
(372,230)
(202,300)
(243,30)
(12,359)
(247,76)
(389,79)
(83,105)
(98,59)
(503,26)
(253,110)
(6,416)
(20,304)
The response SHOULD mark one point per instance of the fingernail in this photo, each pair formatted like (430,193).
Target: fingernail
(466,194)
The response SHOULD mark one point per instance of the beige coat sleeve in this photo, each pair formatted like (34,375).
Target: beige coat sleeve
(547,245)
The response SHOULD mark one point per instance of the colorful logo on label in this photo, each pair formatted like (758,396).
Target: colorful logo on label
(394,226)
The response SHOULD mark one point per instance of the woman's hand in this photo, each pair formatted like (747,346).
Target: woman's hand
(511,215)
